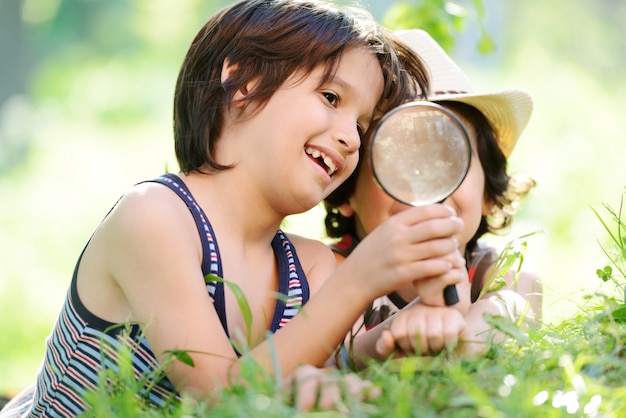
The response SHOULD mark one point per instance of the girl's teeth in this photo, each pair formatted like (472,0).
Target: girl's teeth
(330,164)
(315,153)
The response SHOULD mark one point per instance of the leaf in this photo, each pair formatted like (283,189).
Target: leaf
(486,44)
(506,326)
(182,356)
(210,278)
(495,285)
(620,314)
(244,307)
(605,274)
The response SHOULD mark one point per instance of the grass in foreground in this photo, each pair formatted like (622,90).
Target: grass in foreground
(574,368)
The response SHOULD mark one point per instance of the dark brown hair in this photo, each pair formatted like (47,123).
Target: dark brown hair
(268,41)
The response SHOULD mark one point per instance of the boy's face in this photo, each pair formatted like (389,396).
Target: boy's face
(371,206)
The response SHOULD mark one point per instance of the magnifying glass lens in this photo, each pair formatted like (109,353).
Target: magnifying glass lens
(420,153)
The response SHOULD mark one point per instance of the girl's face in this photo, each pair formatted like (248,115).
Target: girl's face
(303,143)
(371,206)
(469,199)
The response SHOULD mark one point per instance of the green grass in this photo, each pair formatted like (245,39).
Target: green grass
(575,367)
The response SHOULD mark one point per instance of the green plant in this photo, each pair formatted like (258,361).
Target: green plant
(616,254)
(443,19)
(572,368)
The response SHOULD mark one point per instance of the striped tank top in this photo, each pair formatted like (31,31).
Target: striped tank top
(82,344)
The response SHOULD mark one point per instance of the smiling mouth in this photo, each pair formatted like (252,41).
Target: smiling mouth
(322,159)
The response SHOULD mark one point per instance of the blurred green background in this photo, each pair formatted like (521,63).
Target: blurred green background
(85,112)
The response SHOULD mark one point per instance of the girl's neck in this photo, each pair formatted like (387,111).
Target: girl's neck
(232,208)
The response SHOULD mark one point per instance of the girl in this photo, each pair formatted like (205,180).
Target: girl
(270,105)
(485,201)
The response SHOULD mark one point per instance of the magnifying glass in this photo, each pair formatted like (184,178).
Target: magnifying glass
(420,153)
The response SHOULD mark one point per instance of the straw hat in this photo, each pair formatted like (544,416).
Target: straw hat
(508,111)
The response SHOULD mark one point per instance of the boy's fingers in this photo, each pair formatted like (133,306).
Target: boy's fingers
(329,394)
(323,389)
(386,344)
(355,386)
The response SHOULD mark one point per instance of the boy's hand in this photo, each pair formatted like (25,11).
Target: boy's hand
(421,330)
(315,388)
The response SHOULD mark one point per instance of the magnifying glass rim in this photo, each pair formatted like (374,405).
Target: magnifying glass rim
(425,104)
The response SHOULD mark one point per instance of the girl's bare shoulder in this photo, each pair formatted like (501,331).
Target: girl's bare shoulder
(149,202)
(150,217)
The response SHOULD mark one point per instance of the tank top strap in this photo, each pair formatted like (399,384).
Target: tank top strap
(293,287)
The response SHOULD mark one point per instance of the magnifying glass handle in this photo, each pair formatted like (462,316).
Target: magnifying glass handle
(450,295)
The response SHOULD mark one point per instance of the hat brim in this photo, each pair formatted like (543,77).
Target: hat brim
(507,111)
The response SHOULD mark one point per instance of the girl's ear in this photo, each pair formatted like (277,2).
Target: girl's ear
(240,95)
(346,210)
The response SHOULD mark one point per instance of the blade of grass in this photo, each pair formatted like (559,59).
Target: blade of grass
(242,302)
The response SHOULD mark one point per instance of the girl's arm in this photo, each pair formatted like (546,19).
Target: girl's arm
(154,255)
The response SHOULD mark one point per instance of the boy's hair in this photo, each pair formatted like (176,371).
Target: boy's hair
(502,190)
(268,41)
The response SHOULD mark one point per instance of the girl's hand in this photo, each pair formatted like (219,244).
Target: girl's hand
(421,330)
(413,245)
(315,388)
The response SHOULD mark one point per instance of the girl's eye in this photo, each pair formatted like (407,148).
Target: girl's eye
(331,97)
